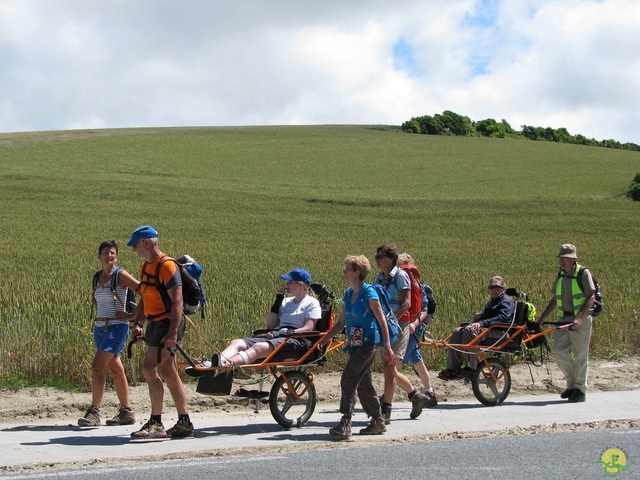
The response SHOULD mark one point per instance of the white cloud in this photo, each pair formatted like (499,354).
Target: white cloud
(78,64)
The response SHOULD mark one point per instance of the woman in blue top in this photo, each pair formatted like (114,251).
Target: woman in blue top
(366,328)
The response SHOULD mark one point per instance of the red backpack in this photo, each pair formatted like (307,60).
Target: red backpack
(416,290)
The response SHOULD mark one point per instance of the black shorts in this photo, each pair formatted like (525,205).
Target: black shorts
(293,344)
(155,331)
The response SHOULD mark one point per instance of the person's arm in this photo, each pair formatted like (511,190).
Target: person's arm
(502,313)
(376,308)
(273,317)
(125,280)
(588,287)
(586,306)
(337,328)
(405,302)
(171,338)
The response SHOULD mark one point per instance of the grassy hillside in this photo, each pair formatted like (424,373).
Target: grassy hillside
(250,203)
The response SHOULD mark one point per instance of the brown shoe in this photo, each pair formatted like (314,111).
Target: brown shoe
(343,429)
(376,427)
(432,401)
(419,401)
(91,418)
(125,416)
(386,411)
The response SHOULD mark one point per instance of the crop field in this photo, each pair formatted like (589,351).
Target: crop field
(250,203)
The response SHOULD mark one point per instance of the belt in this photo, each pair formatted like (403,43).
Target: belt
(103,319)
(567,314)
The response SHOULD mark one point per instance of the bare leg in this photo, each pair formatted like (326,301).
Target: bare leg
(423,373)
(168,371)
(150,372)
(120,381)
(98,366)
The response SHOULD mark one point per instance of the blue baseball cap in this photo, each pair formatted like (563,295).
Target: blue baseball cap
(298,275)
(140,233)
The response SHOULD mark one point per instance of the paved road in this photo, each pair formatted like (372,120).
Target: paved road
(575,454)
(245,431)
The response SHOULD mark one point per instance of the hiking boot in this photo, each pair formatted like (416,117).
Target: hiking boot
(150,430)
(124,416)
(432,401)
(376,427)
(179,430)
(386,411)
(343,429)
(91,418)
(419,401)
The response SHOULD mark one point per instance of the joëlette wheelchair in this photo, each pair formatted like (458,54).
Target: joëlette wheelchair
(292,397)
(500,346)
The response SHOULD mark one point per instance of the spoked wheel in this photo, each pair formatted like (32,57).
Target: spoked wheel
(292,403)
(491,383)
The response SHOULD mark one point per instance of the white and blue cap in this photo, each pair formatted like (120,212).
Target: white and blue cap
(298,275)
(140,233)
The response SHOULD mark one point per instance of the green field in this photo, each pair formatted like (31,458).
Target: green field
(250,203)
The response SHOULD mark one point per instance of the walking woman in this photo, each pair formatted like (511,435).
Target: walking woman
(110,333)
(366,328)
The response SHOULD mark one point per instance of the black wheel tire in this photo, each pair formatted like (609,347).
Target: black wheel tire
(285,408)
(487,390)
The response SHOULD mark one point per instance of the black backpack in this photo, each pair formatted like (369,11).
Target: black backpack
(431,299)
(130,300)
(597,305)
(192,295)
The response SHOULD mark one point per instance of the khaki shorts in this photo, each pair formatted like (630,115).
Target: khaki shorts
(399,347)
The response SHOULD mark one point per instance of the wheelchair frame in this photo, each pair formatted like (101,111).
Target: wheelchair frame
(292,397)
(491,381)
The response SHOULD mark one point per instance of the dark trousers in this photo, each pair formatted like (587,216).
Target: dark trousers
(356,379)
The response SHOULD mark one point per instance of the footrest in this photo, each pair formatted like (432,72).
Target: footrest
(251,394)
(212,384)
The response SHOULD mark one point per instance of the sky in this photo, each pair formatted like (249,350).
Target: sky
(90,64)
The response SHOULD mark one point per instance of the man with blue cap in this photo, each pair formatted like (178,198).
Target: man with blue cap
(161,291)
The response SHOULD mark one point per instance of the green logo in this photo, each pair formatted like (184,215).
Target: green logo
(614,461)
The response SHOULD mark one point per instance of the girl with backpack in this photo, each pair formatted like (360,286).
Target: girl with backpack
(366,328)
(110,333)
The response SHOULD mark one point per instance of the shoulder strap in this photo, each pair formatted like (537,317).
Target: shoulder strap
(114,279)
(96,276)
(164,258)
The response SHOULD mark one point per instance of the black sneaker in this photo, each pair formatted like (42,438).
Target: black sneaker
(567,393)
(577,396)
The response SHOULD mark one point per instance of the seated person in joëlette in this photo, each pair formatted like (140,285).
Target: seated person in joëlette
(296,313)
(499,309)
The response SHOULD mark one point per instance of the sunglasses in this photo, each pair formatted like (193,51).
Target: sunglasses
(494,287)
